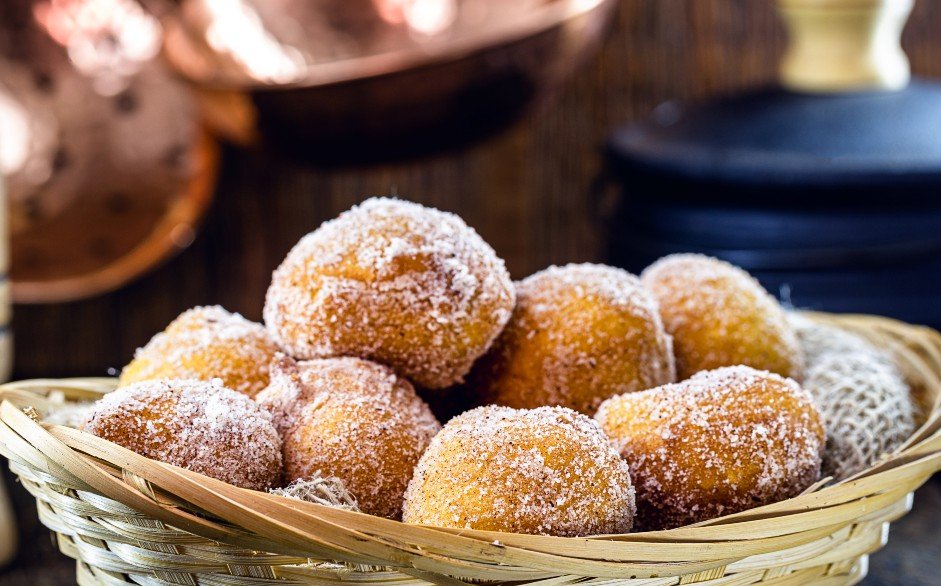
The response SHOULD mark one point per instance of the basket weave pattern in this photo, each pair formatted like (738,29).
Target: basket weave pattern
(129,520)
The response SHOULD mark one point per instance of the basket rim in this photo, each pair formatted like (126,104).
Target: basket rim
(244,518)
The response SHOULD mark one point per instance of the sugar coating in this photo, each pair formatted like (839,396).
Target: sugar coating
(204,343)
(719,315)
(579,334)
(70,414)
(548,471)
(394,282)
(197,425)
(351,419)
(721,442)
(864,399)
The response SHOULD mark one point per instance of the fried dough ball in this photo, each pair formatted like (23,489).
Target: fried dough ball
(546,471)
(204,343)
(721,442)
(719,316)
(579,334)
(351,419)
(395,282)
(197,425)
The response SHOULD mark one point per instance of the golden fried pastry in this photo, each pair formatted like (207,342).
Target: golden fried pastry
(548,471)
(719,316)
(204,343)
(351,419)
(721,442)
(579,334)
(201,426)
(395,282)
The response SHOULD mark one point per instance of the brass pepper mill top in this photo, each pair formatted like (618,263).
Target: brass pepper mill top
(845,45)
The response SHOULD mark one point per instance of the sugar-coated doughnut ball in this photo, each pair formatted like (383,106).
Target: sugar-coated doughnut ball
(547,471)
(579,334)
(719,316)
(721,442)
(394,282)
(204,343)
(197,425)
(354,420)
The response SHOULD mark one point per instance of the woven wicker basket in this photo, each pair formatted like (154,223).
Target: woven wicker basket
(127,519)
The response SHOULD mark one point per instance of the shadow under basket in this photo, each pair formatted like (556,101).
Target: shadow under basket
(126,519)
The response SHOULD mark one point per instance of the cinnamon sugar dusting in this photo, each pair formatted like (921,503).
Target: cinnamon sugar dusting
(719,315)
(587,280)
(205,343)
(721,442)
(395,282)
(547,471)
(351,419)
(579,334)
(200,426)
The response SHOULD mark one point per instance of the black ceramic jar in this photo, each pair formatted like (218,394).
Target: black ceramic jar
(831,198)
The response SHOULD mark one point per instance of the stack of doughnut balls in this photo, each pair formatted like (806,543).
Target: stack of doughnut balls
(587,400)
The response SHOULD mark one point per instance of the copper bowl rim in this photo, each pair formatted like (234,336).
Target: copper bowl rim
(156,247)
(544,18)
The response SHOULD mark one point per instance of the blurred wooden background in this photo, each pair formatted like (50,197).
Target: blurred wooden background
(525,192)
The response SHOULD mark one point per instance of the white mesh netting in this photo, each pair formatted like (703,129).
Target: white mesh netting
(328,491)
(69,414)
(864,399)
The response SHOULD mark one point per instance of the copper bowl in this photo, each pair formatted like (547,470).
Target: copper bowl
(108,169)
(360,80)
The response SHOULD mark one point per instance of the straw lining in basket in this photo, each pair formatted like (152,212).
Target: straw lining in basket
(127,519)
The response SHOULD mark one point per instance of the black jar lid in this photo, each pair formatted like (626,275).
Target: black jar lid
(778,138)
(846,116)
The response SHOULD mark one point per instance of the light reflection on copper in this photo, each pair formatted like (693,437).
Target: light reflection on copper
(383,79)
(28,141)
(237,31)
(300,42)
(430,17)
(28,134)
(14,128)
(390,10)
(108,40)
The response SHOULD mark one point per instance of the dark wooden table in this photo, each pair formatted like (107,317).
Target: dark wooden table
(526,192)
